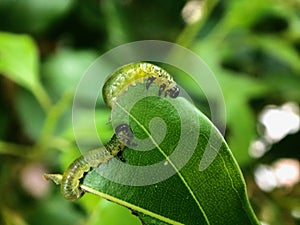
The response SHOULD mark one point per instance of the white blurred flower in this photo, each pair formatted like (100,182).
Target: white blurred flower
(280,121)
(192,11)
(283,173)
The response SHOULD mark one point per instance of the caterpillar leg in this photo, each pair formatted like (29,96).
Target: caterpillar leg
(161,89)
(149,81)
(120,157)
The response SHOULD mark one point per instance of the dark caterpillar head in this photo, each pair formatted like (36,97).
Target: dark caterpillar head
(124,134)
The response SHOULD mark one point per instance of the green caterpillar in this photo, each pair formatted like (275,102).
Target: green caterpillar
(132,73)
(120,80)
(71,178)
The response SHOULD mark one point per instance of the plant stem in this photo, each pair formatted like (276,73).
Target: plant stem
(188,35)
(14,149)
(42,97)
(52,118)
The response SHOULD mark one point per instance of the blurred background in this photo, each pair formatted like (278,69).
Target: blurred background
(253,48)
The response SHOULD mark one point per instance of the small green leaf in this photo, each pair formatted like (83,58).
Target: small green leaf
(19,62)
(192,193)
(19,59)
(63,69)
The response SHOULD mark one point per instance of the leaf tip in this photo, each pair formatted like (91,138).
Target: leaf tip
(56,178)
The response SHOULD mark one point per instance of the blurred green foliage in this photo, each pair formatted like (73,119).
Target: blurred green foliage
(253,48)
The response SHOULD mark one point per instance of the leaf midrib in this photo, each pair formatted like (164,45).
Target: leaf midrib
(168,159)
(129,205)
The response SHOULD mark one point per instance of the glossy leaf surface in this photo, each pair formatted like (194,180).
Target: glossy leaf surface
(216,194)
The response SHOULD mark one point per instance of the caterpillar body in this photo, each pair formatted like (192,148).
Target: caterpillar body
(120,80)
(71,178)
(133,73)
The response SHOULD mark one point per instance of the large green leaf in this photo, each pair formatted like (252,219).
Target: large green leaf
(195,194)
